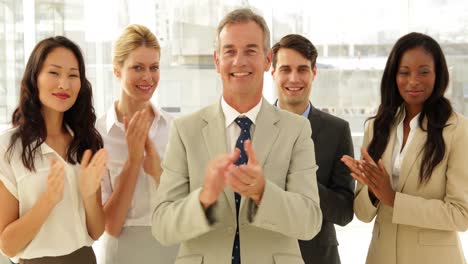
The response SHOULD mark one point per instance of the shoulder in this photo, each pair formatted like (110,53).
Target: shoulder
(166,116)
(291,121)
(330,120)
(101,122)
(5,137)
(198,118)
(457,122)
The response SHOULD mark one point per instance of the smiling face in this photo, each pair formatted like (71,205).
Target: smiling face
(293,76)
(139,74)
(241,61)
(58,81)
(416,77)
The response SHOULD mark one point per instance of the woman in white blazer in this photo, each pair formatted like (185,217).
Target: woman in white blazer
(413,176)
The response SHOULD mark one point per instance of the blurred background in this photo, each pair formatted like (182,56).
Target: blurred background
(353,38)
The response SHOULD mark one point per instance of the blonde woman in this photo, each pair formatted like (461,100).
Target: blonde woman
(135,132)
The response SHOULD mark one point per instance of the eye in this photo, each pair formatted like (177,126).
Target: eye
(154,68)
(251,51)
(403,73)
(424,72)
(137,68)
(53,73)
(229,52)
(73,75)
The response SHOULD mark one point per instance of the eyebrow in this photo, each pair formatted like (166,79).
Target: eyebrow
(60,67)
(228,46)
(300,66)
(141,63)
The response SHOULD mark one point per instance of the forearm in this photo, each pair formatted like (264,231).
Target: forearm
(17,235)
(94,216)
(118,204)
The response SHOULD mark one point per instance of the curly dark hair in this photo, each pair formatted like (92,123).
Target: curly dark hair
(28,118)
(437,109)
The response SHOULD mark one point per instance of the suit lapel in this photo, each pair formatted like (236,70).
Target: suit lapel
(315,122)
(265,134)
(412,154)
(388,153)
(214,135)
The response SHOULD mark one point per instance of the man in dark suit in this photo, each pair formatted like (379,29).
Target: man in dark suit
(294,69)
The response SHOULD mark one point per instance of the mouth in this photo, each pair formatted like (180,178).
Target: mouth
(293,90)
(240,74)
(145,88)
(414,92)
(61,96)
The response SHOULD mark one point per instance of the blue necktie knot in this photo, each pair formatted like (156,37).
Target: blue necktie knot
(244,123)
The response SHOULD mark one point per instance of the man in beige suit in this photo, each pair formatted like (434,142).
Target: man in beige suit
(224,197)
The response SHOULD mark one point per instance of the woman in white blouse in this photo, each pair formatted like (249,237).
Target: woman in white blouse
(135,132)
(413,176)
(51,208)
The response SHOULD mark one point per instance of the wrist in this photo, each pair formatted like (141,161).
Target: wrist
(205,200)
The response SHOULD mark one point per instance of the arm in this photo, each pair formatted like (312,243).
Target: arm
(90,176)
(451,212)
(16,232)
(364,208)
(179,214)
(117,205)
(336,198)
(298,203)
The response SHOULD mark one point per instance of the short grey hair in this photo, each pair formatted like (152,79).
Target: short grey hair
(244,15)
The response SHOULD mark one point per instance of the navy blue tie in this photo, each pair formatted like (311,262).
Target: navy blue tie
(244,123)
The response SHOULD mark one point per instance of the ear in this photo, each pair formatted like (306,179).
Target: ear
(314,72)
(117,72)
(216,59)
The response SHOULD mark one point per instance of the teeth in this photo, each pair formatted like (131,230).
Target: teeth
(293,88)
(144,87)
(240,74)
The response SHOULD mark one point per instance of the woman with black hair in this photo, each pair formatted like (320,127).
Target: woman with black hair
(51,205)
(413,176)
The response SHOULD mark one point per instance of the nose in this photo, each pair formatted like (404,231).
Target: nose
(294,76)
(239,59)
(64,84)
(413,80)
(147,76)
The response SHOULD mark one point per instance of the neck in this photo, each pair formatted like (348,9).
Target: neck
(242,104)
(294,108)
(53,122)
(128,107)
(411,112)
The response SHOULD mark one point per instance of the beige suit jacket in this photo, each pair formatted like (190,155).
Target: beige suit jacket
(422,226)
(289,209)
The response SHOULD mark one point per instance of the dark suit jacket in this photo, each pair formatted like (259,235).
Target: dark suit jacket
(332,140)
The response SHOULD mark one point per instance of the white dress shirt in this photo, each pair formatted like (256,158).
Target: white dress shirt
(398,153)
(64,230)
(232,129)
(113,134)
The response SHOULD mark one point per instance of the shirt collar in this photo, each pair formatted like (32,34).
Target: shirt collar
(306,112)
(111,117)
(413,123)
(230,114)
(45,149)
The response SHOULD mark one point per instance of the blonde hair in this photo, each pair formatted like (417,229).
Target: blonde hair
(133,37)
